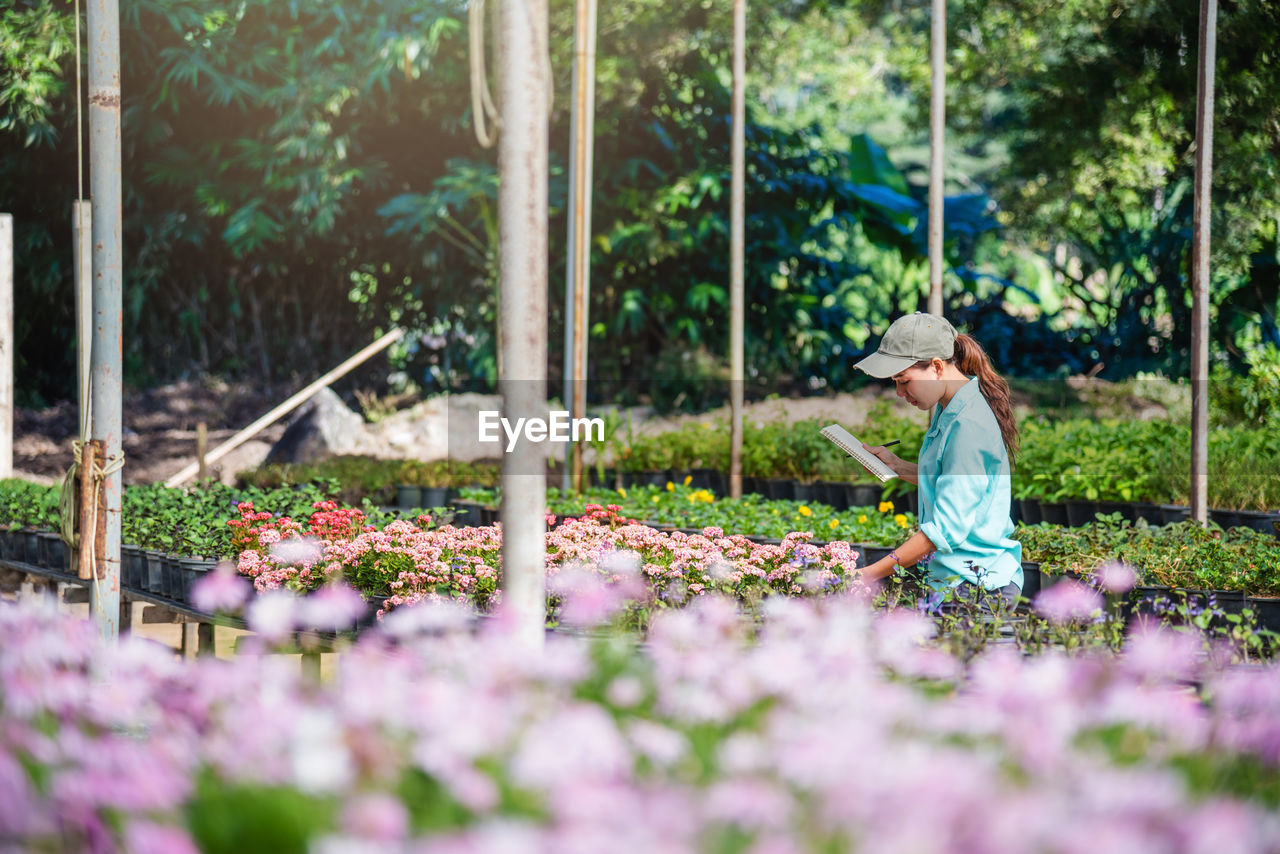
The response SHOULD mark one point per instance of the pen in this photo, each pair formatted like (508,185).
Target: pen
(894,442)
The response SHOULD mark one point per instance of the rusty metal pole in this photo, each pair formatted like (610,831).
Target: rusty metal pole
(578,266)
(737,243)
(1200,268)
(525,87)
(107,352)
(937,146)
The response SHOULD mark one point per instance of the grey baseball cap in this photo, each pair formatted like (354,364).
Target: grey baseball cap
(911,339)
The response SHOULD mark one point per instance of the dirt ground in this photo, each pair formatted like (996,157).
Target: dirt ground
(160,427)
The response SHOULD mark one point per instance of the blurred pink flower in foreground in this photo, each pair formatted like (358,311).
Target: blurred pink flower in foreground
(1068,601)
(1116,577)
(221,591)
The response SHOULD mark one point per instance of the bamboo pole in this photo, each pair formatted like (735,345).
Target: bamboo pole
(578,267)
(737,242)
(287,406)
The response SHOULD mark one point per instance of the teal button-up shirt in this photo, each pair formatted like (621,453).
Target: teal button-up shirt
(965,496)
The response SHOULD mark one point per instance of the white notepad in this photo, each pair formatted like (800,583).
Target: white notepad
(851,445)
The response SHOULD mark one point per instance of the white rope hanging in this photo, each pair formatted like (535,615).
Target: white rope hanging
(482,107)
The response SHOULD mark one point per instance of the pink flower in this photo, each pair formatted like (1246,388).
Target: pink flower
(1068,600)
(1116,577)
(273,614)
(377,817)
(145,837)
(220,591)
(333,607)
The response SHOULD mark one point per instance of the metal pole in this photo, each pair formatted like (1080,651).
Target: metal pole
(937,145)
(578,268)
(737,230)
(104,191)
(6,345)
(1200,272)
(522,228)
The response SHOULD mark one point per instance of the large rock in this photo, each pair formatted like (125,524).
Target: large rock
(323,427)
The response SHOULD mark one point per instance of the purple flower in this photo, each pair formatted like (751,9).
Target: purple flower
(220,591)
(1067,601)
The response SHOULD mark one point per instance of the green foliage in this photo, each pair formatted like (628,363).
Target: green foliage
(239,818)
(1184,555)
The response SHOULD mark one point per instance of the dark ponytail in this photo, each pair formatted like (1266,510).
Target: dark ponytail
(972,361)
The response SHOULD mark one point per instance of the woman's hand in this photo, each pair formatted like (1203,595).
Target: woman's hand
(903,469)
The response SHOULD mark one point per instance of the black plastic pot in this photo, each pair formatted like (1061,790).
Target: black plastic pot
(1225,518)
(1266,611)
(1030,509)
(1171,513)
(1149,512)
(193,569)
(803,491)
(31,547)
(1080,512)
(873,552)
(1030,578)
(408,496)
(864,495)
(133,567)
(780,489)
(1053,512)
(1124,508)
(907,502)
(1266,523)
(155,573)
(434,496)
(54,553)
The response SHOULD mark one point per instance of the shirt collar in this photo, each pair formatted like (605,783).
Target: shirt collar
(959,402)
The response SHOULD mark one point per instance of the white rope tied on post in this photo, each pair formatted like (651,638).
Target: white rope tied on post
(482,106)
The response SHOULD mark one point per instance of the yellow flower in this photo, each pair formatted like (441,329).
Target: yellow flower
(885,507)
(901,520)
(671,487)
(657,499)
(862,518)
(805,511)
(622,492)
(688,479)
(833,523)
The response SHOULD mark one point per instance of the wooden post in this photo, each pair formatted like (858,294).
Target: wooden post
(205,639)
(202,448)
(87,506)
(288,406)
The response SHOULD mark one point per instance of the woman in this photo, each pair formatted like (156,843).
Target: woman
(964,465)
